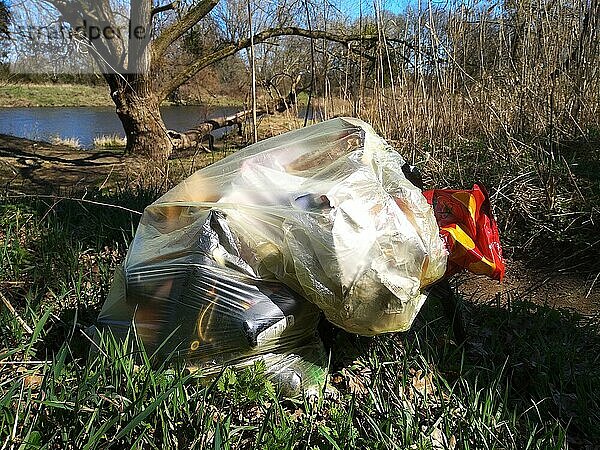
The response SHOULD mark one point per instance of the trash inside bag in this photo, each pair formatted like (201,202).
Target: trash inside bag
(236,263)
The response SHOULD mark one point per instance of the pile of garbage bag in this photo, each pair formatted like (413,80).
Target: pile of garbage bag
(237,263)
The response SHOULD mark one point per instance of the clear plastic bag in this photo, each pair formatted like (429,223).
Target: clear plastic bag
(235,262)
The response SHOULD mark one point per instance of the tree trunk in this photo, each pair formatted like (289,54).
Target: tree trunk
(144,127)
(136,100)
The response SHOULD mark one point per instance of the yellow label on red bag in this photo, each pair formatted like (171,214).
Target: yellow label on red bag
(469,230)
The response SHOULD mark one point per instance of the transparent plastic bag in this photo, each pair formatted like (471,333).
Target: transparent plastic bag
(322,216)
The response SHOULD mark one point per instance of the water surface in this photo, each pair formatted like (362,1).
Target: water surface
(86,123)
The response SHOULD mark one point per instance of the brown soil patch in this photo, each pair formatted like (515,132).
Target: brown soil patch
(37,167)
(580,293)
(40,167)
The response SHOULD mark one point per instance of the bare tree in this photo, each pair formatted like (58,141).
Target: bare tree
(139,85)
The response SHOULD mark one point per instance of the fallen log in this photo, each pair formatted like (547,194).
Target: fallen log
(194,137)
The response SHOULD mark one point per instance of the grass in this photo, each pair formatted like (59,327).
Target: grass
(34,95)
(110,141)
(545,197)
(30,95)
(529,376)
(67,142)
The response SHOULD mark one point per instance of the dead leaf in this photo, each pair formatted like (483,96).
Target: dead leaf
(355,382)
(297,415)
(423,384)
(440,441)
(33,381)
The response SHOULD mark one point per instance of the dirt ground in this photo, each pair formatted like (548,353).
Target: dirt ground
(557,290)
(34,167)
(40,167)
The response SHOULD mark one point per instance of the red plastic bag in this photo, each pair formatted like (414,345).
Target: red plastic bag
(469,230)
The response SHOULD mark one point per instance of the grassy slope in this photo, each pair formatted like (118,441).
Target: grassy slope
(529,377)
(28,95)
(31,95)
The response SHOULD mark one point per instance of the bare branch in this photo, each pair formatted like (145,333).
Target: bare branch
(574,58)
(75,15)
(181,26)
(232,48)
(166,7)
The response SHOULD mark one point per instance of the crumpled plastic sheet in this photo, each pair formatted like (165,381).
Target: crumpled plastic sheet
(236,262)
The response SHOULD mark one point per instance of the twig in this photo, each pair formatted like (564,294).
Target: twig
(82,200)
(94,343)
(107,177)
(16,314)
(37,362)
(573,179)
(592,286)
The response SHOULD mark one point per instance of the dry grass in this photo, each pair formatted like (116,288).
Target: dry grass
(517,73)
(507,95)
(525,379)
(67,142)
(33,95)
(110,141)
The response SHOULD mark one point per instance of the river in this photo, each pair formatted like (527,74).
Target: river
(86,123)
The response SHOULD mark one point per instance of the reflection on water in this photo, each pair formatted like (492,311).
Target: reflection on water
(86,123)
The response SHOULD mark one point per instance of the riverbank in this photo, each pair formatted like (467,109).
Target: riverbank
(33,167)
(46,95)
(35,95)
